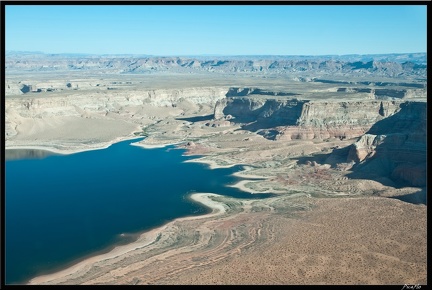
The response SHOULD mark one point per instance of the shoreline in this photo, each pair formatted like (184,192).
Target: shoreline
(144,239)
(211,163)
(153,146)
(245,178)
(68,151)
(56,150)
(241,185)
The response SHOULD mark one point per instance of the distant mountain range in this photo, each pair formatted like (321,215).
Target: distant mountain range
(379,64)
(417,57)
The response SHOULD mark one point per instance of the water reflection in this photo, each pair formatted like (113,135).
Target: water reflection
(14,154)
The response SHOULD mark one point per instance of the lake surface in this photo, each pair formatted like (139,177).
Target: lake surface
(62,208)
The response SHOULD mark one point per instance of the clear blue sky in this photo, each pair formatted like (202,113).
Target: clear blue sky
(217,29)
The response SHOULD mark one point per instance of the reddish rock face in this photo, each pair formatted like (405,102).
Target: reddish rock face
(322,133)
(303,119)
(392,131)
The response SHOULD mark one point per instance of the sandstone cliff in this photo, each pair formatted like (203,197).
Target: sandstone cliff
(391,134)
(136,107)
(394,147)
(304,119)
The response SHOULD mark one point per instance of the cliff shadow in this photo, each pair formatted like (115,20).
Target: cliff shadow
(334,158)
(318,158)
(419,197)
(398,160)
(243,92)
(197,118)
(411,117)
(255,115)
(401,156)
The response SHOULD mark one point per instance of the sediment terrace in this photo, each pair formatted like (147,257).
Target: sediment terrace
(334,141)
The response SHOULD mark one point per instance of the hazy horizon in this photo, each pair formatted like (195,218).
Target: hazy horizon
(217,55)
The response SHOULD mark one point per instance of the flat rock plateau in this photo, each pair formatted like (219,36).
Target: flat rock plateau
(340,140)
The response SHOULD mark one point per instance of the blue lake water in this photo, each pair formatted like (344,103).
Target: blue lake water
(62,208)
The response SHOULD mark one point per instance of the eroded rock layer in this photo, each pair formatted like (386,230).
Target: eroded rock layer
(395,146)
(304,119)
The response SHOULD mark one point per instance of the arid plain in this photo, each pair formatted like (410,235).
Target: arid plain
(336,139)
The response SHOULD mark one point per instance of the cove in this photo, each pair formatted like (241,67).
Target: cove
(62,208)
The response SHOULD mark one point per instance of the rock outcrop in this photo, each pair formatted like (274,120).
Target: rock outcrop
(39,106)
(391,134)
(129,105)
(259,113)
(394,147)
(304,119)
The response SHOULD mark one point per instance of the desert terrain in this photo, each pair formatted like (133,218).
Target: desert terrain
(339,140)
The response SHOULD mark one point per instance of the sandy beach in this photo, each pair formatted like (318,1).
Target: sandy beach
(288,234)
(144,240)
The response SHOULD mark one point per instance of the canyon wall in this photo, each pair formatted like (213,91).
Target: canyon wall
(389,137)
(304,119)
(99,101)
(131,106)
(394,147)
